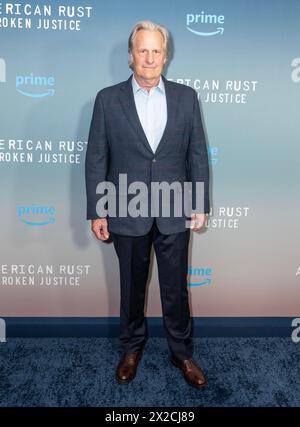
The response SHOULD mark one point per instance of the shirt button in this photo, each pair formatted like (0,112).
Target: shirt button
(153,160)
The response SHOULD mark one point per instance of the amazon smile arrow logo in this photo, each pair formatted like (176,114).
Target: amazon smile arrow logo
(204,282)
(205,20)
(50,92)
(220,30)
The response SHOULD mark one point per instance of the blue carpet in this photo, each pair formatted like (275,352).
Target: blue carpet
(71,372)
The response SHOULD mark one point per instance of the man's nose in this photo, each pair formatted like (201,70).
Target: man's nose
(150,57)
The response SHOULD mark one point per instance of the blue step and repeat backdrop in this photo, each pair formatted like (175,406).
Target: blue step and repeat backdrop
(243,59)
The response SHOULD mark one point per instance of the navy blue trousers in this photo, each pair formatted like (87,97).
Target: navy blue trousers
(172,262)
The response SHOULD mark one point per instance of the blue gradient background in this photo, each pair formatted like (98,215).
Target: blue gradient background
(254,267)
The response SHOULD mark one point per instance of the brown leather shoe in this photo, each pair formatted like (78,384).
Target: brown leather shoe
(127,367)
(191,372)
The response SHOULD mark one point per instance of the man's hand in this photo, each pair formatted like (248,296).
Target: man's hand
(100,228)
(197,221)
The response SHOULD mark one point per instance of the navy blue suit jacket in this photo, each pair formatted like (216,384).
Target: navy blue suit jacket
(117,144)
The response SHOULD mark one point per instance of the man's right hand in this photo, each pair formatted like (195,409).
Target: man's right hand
(99,227)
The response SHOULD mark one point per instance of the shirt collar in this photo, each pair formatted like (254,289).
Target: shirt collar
(136,87)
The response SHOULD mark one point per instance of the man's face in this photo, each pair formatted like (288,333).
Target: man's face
(148,55)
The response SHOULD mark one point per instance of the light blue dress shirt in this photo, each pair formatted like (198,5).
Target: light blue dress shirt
(152,110)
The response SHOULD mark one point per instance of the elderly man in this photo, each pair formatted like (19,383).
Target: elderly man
(151,130)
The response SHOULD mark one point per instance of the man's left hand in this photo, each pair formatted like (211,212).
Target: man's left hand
(197,221)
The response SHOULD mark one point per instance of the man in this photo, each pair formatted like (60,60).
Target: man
(151,130)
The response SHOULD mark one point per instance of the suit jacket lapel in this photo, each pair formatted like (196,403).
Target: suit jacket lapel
(130,111)
(171,113)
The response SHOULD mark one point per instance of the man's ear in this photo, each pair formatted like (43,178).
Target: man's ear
(130,59)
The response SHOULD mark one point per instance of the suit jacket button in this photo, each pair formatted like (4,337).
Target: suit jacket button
(153,160)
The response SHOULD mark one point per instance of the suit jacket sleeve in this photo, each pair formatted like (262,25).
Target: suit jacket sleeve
(198,159)
(96,159)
